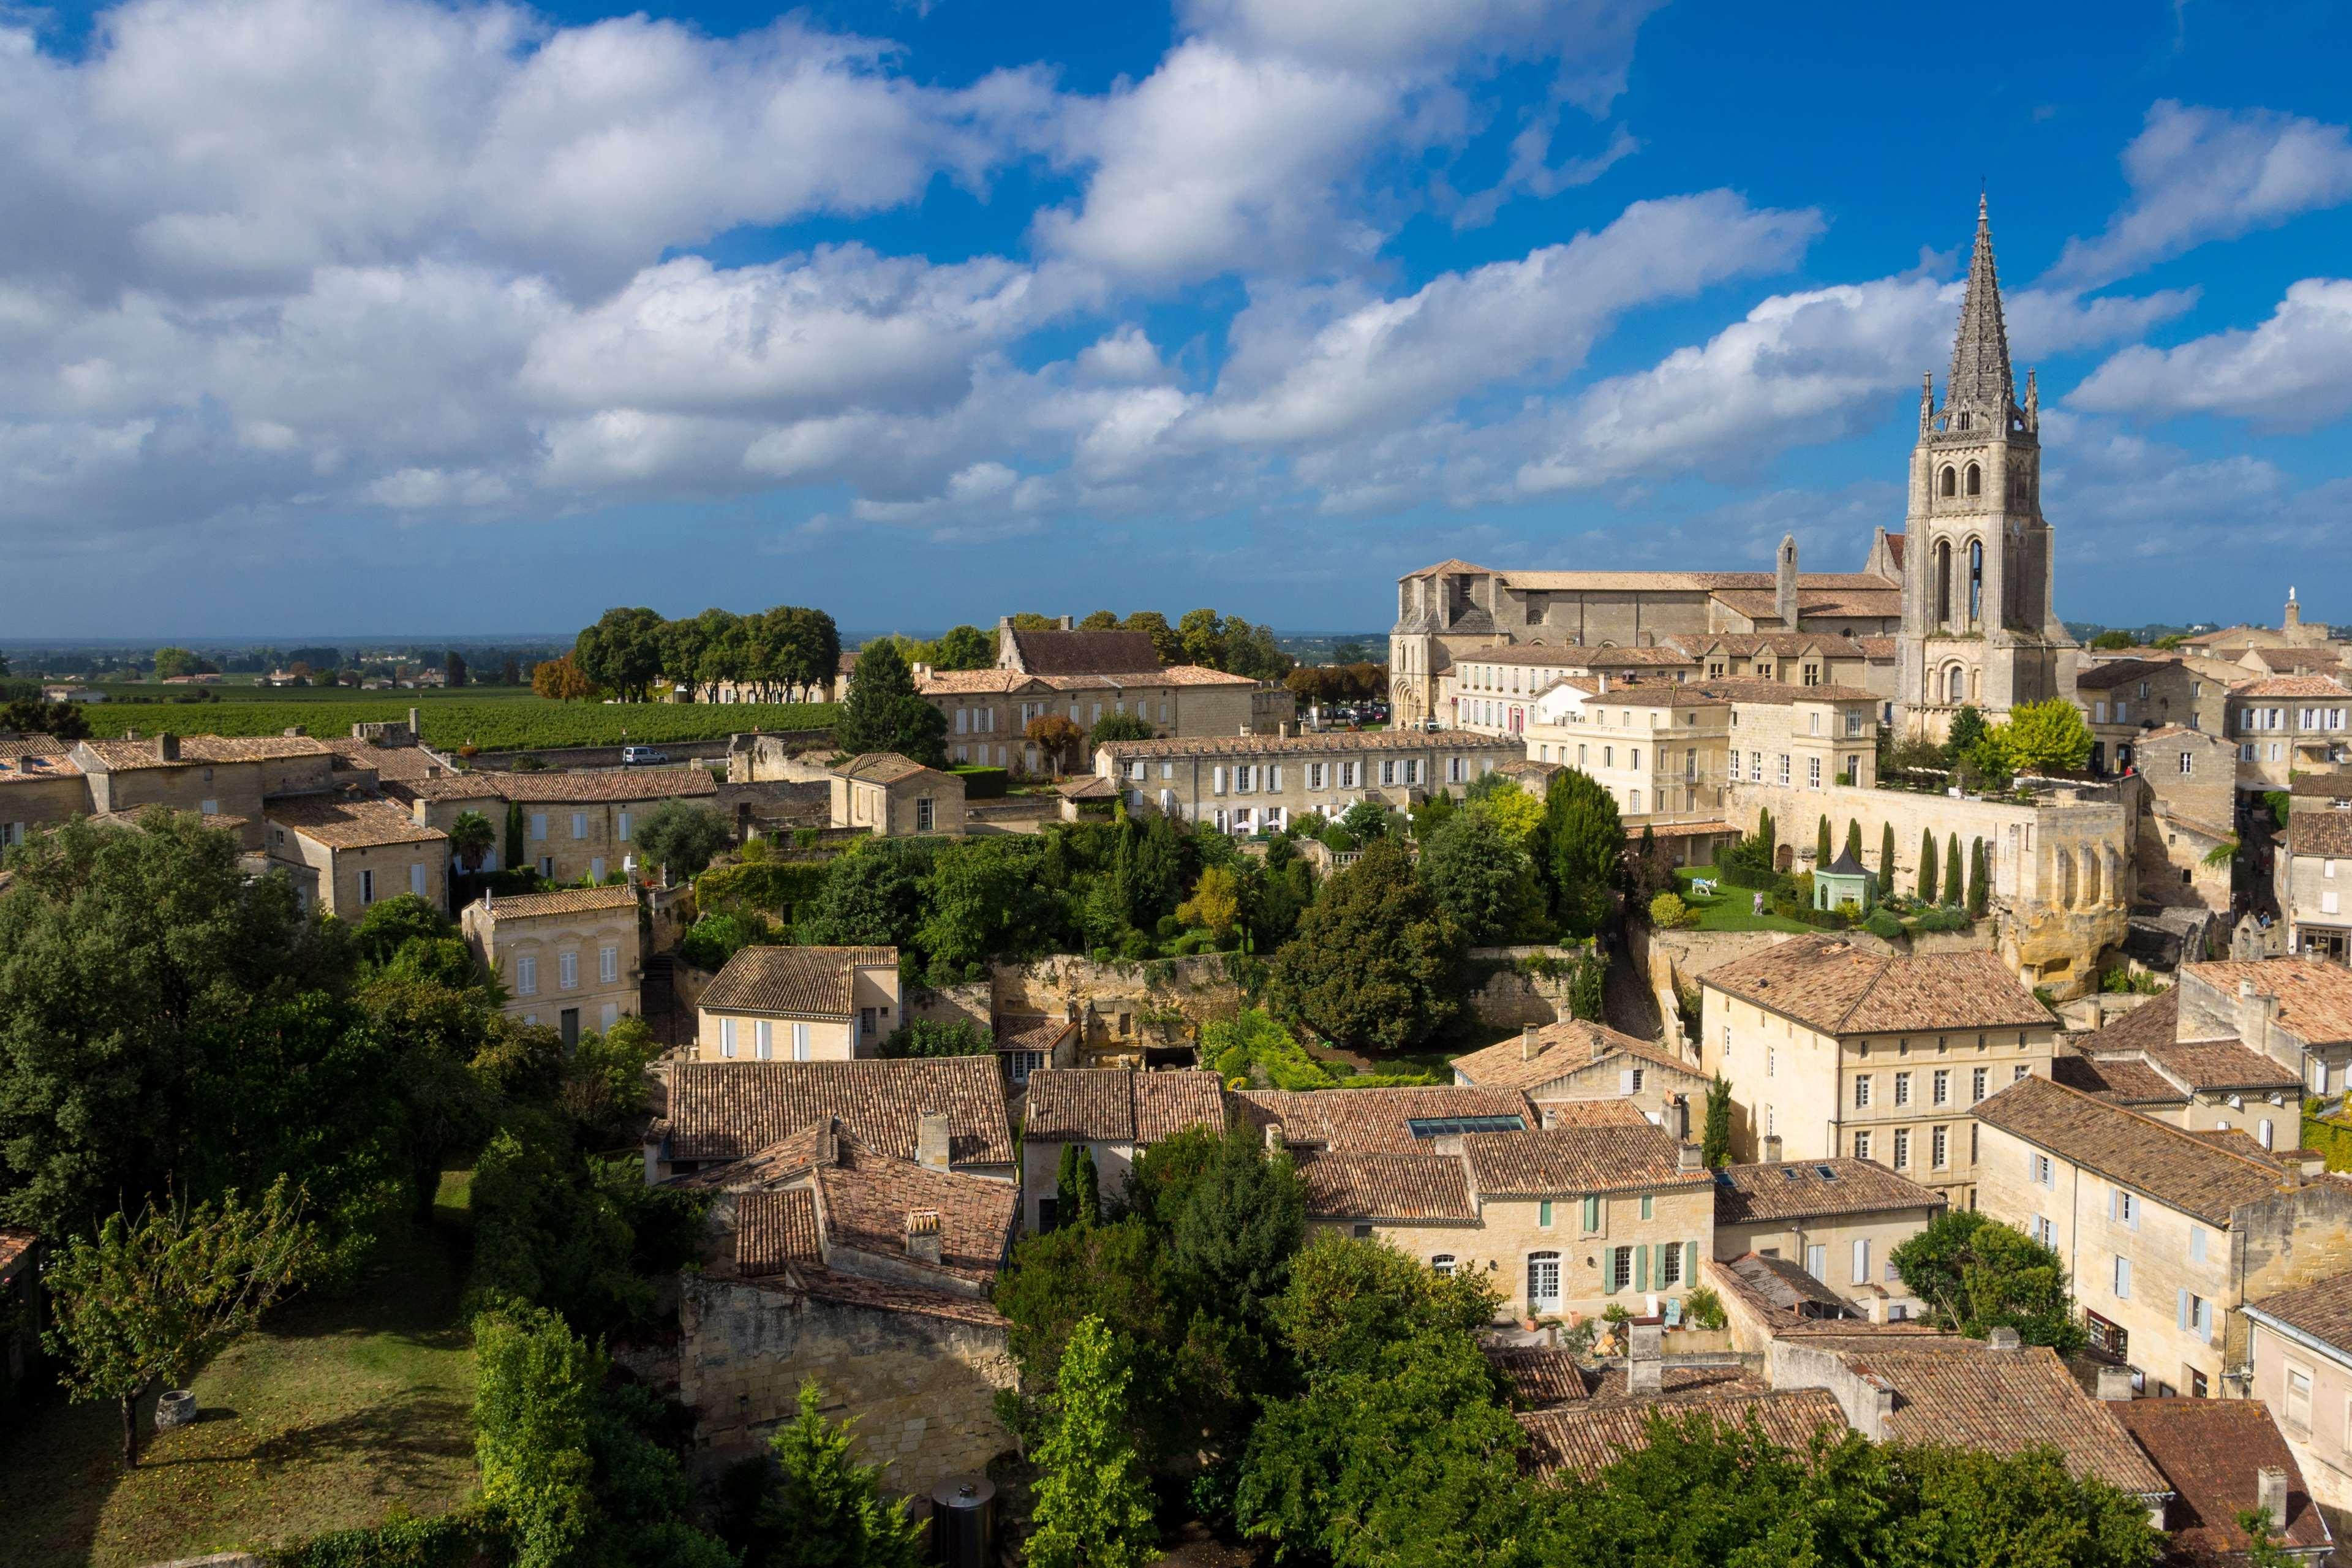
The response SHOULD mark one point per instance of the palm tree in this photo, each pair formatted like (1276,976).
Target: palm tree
(472,836)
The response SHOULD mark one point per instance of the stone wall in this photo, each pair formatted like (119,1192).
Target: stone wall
(1670,960)
(1510,992)
(921,1388)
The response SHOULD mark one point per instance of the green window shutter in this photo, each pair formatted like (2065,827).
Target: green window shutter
(1690,1265)
(1543,1213)
(1592,1213)
(1649,1207)
(1608,1273)
(1640,1268)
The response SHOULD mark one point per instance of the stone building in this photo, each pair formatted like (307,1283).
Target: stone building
(41,786)
(1246,783)
(2192,1078)
(576,825)
(2299,1347)
(2297,1012)
(1839,1219)
(2224,1458)
(2189,812)
(1964,590)
(1574,1062)
(897,797)
(346,852)
(2286,724)
(1833,1050)
(946,1112)
(2313,871)
(1116,1114)
(209,774)
(799,1004)
(2165,1233)
(2291,632)
(829,1259)
(571,959)
(2125,699)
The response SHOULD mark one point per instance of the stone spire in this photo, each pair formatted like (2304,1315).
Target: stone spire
(1980,382)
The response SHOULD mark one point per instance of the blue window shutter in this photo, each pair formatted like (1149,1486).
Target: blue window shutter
(2182,1308)
(1640,1268)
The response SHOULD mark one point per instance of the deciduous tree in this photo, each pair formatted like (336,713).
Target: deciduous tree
(1977,1273)
(682,836)
(1377,961)
(1483,882)
(1093,1501)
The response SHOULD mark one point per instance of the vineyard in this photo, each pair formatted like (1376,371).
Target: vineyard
(498,724)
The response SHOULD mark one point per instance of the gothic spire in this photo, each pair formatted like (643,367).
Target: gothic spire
(1981,381)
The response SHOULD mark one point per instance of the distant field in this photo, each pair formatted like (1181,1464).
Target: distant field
(240,688)
(493,724)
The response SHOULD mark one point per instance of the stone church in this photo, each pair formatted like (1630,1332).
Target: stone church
(1960,601)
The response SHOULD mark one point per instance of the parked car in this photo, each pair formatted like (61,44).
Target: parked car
(640,756)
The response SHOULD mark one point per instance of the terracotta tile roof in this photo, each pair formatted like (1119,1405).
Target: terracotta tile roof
(1883,602)
(2292,686)
(868,1198)
(1088,786)
(2331,787)
(972,682)
(2315,999)
(16,1245)
(1371,1120)
(2126,1080)
(1796,1189)
(1112,1105)
(124,756)
(1539,1377)
(2107,674)
(2138,1152)
(1565,656)
(1877,649)
(1018,1033)
(1964,1393)
(1592,1114)
(1780,1291)
(1829,984)
(879,768)
(347,823)
(1646,693)
(1448,569)
(2211,1452)
(562,902)
(2322,1310)
(1578,1443)
(408,765)
(219,821)
(1671,656)
(2323,833)
(1192,675)
(2210,1065)
(1576,1160)
(1322,741)
(775,1231)
(814,982)
(2155,1022)
(2285,659)
(725,1110)
(1781,693)
(1560,1048)
(1677,1382)
(1395,1187)
(601,784)
(1083,653)
(35,757)
(453,786)
(883,1295)
(1746,645)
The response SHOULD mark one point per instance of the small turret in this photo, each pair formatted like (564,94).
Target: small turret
(1784,583)
(1926,401)
(2032,401)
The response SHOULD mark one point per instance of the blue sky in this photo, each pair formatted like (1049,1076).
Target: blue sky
(381,315)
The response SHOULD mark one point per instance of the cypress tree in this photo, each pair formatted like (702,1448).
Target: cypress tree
(1853,839)
(518,856)
(1822,841)
(1766,834)
(1978,873)
(1886,859)
(1954,885)
(1077,1200)
(1926,864)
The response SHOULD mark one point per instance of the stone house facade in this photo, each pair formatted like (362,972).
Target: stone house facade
(2312,874)
(1833,1051)
(799,1004)
(40,787)
(576,825)
(2146,1060)
(2286,724)
(1116,1114)
(2165,1234)
(2123,700)
(1838,1219)
(2299,1344)
(210,774)
(1246,783)
(571,959)
(2188,812)
(1573,1062)
(2297,1012)
(895,797)
(346,852)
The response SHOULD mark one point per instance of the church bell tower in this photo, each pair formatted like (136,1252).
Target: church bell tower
(1978,627)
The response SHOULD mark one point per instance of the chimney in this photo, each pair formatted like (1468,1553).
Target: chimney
(1603,677)
(129,734)
(1243,730)
(167,747)
(923,1236)
(489,900)
(1882,1410)
(1784,583)
(1772,1149)
(828,1145)
(2270,1495)
(2256,1013)
(1275,1141)
(2115,1384)
(1686,1159)
(1530,1047)
(416,730)
(931,1140)
(2003,1338)
(1678,1123)
(1599,1045)
(1645,1363)
(1066,623)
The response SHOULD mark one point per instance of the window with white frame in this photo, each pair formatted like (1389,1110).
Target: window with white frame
(1938,1149)
(763,1039)
(800,1042)
(1903,1148)
(526,976)
(567,971)
(1862,1145)
(608,963)
(1543,1280)
(725,1036)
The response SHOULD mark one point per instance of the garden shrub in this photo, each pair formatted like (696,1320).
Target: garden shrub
(443,1541)
(982,783)
(711,941)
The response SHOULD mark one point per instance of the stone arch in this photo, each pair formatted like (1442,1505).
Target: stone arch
(1951,480)
(1976,480)
(1943,569)
(2090,878)
(1976,579)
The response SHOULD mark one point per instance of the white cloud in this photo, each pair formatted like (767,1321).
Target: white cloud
(2292,373)
(2199,175)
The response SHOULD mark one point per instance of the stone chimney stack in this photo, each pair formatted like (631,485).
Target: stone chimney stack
(2115,1384)
(931,1140)
(1530,1047)
(1772,1150)
(1784,583)
(1066,623)
(1645,1360)
(2270,1495)
(1275,1141)
(167,747)
(415,727)
(2003,1338)
(1599,1045)
(1687,1158)
(923,1236)
(2256,1015)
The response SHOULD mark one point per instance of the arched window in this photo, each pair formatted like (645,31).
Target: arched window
(1976,480)
(1954,686)
(1951,482)
(1442,1265)
(1964,421)
(1976,573)
(1944,578)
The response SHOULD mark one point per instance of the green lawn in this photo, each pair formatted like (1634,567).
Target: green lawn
(342,1409)
(1732,909)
